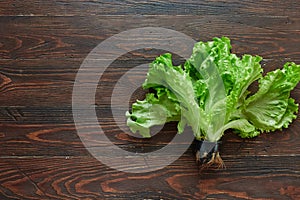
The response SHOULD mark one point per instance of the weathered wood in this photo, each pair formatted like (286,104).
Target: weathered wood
(86,178)
(75,37)
(26,42)
(35,83)
(51,132)
(134,7)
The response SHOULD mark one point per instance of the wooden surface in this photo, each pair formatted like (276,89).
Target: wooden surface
(42,45)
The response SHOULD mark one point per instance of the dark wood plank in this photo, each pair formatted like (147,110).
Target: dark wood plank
(86,178)
(75,37)
(153,7)
(35,83)
(51,132)
(37,140)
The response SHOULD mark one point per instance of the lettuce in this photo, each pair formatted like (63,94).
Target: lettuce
(210,93)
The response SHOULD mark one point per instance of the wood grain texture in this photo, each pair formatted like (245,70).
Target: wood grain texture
(50,131)
(36,83)
(86,178)
(75,37)
(42,45)
(152,7)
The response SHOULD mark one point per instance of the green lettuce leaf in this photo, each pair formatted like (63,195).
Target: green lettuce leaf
(271,108)
(175,79)
(210,93)
(152,111)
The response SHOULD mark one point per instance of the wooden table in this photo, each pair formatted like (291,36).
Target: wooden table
(42,45)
